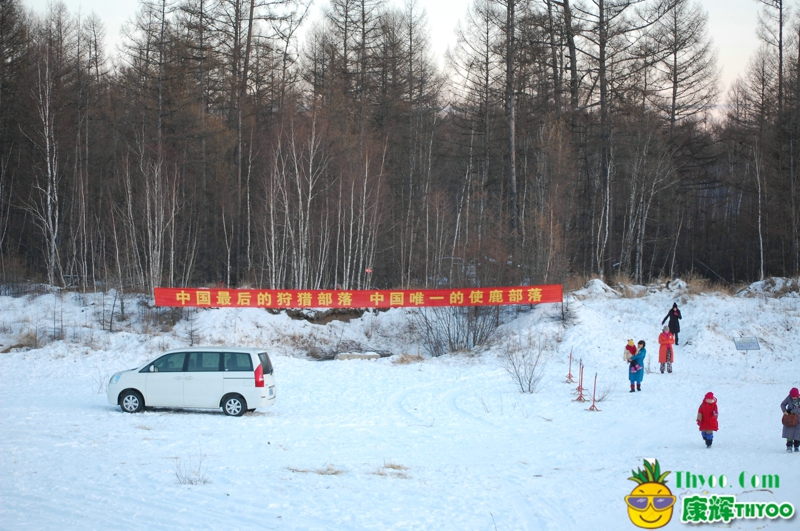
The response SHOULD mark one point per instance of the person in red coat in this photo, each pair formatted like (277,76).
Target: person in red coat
(707,418)
(666,352)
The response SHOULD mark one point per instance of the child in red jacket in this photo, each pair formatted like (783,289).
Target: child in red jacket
(630,351)
(707,418)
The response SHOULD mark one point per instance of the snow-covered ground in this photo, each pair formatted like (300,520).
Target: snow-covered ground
(441,444)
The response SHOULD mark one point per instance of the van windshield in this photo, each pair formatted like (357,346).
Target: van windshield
(266,364)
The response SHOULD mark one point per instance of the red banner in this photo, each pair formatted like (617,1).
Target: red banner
(298,298)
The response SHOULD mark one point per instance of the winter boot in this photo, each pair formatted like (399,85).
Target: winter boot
(669,367)
(797,446)
(789,446)
(662,368)
(633,388)
(709,439)
(638,387)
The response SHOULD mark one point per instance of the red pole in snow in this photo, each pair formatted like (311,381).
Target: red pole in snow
(580,377)
(580,389)
(593,407)
(569,371)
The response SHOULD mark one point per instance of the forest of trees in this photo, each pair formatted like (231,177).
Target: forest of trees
(225,142)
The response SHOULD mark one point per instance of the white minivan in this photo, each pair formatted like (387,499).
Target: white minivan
(235,379)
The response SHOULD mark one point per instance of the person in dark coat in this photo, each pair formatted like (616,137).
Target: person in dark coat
(674,316)
(791,404)
(707,418)
(636,375)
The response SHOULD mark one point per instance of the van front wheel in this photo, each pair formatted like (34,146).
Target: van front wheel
(131,402)
(234,405)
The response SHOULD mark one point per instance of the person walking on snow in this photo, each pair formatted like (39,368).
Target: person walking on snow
(789,406)
(636,376)
(630,351)
(674,316)
(707,418)
(666,352)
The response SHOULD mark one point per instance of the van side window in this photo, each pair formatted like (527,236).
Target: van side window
(238,361)
(170,362)
(204,362)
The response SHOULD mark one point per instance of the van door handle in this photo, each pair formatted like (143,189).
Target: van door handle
(188,378)
(178,377)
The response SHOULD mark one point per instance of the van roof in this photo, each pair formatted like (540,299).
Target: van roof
(210,348)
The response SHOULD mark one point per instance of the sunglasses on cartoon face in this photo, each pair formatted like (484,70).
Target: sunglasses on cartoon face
(659,503)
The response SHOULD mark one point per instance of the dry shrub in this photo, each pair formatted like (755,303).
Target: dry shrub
(441,330)
(524,359)
(605,392)
(406,359)
(191,471)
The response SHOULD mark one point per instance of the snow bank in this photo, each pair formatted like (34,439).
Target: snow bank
(772,287)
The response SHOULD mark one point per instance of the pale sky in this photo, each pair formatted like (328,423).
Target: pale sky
(732,25)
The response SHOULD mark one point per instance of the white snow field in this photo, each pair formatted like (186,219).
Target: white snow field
(443,444)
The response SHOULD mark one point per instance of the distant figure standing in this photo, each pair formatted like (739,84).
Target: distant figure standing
(674,315)
(666,352)
(707,418)
(637,375)
(791,406)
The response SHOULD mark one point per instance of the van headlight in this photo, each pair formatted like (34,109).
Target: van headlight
(114,379)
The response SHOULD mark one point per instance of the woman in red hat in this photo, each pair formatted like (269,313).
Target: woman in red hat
(789,406)
(707,418)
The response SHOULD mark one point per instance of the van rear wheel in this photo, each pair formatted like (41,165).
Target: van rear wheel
(234,405)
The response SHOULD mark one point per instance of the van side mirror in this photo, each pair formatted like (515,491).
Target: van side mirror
(152,368)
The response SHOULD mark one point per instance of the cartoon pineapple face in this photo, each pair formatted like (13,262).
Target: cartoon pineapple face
(650,503)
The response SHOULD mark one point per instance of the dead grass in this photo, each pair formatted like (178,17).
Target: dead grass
(632,291)
(575,282)
(329,470)
(696,285)
(394,466)
(406,359)
(390,469)
(29,339)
